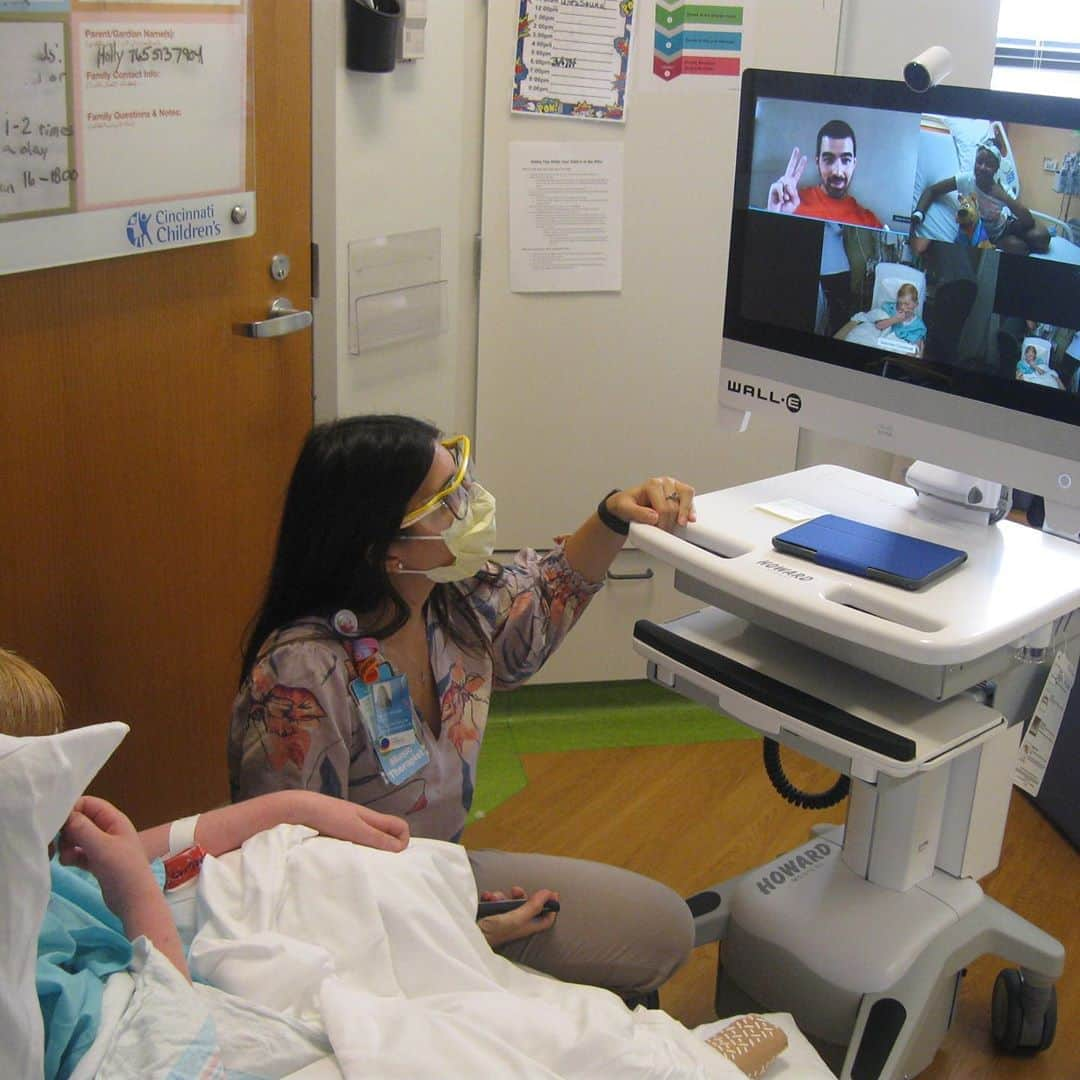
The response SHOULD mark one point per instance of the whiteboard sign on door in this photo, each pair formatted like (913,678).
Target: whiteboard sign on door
(121,132)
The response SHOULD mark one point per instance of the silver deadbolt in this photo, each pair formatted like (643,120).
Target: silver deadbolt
(280,265)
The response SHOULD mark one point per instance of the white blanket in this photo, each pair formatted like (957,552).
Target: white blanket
(383,950)
(311,945)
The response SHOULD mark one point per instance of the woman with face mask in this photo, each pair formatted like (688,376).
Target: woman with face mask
(370,665)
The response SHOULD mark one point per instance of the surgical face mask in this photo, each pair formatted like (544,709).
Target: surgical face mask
(471,540)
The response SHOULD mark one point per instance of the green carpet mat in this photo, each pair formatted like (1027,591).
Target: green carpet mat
(585,716)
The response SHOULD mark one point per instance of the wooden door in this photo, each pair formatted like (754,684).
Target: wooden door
(144,449)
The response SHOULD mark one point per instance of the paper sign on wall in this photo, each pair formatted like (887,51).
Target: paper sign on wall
(566,217)
(121,131)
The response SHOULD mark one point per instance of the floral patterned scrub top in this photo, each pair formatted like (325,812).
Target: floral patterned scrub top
(295,723)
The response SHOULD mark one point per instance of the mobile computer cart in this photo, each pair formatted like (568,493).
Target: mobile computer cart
(920,698)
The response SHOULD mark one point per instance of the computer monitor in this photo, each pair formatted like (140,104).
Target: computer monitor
(900,274)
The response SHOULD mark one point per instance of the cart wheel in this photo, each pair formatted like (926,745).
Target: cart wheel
(1007,1014)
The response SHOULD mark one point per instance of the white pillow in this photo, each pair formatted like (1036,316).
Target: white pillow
(891,287)
(40,779)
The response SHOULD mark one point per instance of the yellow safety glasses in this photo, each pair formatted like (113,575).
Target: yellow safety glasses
(455,496)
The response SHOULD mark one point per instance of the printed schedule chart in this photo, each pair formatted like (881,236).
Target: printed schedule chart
(572,58)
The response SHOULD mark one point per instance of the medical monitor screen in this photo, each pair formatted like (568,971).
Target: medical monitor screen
(930,239)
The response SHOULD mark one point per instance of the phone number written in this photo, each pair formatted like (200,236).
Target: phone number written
(166,54)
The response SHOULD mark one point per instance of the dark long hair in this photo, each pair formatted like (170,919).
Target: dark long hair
(348,493)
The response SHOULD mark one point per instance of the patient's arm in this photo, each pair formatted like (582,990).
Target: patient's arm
(99,838)
(227,827)
(929,194)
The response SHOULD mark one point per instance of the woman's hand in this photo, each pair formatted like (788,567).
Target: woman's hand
(662,501)
(523,922)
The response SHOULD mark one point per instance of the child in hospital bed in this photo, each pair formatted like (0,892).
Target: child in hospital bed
(900,319)
(1028,363)
(89,928)
(1028,369)
(1008,223)
(92,919)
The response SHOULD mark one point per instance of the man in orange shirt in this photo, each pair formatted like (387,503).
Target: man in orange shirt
(830,199)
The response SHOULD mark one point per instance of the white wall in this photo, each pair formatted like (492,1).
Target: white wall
(402,151)
(877,36)
(397,152)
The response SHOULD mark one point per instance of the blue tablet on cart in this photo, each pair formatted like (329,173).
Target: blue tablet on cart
(870,552)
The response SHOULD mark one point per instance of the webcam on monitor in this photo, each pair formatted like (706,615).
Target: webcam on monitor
(928,69)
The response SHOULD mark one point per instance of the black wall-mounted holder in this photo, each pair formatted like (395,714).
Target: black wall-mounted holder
(372,28)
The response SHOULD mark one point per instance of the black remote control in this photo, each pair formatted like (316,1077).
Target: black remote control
(500,907)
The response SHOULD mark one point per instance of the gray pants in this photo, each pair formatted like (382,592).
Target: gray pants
(615,928)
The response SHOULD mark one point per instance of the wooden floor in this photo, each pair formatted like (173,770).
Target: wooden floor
(693,816)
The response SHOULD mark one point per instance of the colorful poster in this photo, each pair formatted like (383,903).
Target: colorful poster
(573,57)
(703,40)
(121,132)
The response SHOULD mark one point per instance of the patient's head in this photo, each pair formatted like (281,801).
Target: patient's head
(29,703)
(987,162)
(1030,355)
(907,300)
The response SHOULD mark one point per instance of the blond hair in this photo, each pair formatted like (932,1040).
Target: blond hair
(906,288)
(29,703)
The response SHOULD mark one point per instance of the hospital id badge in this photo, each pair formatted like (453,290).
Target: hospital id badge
(387,712)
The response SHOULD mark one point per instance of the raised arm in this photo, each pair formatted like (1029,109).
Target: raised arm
(536,600)
(784,195)
(101,839)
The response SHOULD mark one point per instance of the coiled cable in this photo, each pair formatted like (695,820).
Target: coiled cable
(806,800)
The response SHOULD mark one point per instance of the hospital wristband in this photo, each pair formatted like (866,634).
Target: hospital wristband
(182,834)
(616,525)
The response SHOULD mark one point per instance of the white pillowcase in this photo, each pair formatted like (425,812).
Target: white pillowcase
(40,779)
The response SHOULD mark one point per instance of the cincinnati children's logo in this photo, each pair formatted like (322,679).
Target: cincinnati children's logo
(172,225)
(138,230)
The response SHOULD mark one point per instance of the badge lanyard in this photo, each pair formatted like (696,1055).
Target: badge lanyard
(387,713)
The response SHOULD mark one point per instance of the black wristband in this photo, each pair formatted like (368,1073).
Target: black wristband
(616,525)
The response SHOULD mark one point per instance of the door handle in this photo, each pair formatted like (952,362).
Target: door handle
(641,575)
(284,319)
